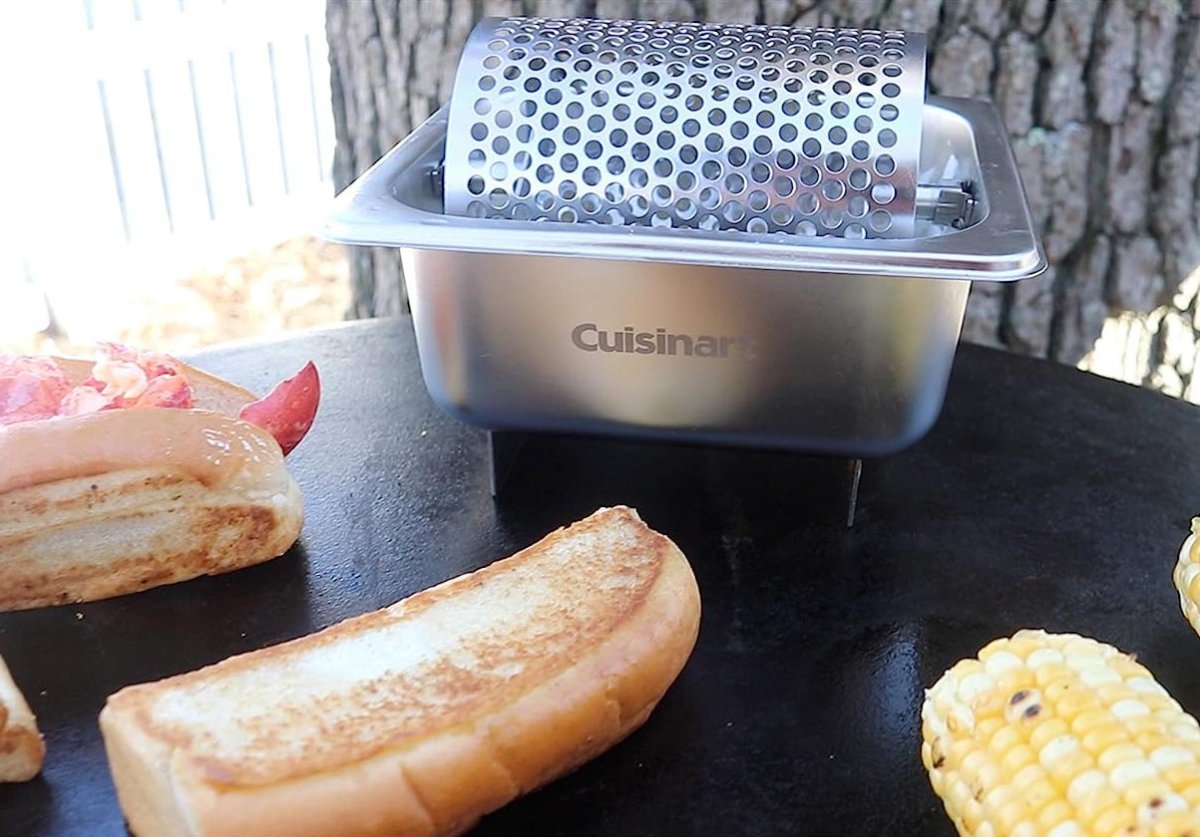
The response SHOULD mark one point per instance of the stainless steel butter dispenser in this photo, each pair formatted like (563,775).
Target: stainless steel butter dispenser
(743,235)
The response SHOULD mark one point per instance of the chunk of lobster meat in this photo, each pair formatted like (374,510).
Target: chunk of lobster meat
(31,388)
(287,412)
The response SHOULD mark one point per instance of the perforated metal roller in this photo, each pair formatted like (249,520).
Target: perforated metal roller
(804,131)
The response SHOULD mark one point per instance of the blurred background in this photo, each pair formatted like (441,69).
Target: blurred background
(169,162)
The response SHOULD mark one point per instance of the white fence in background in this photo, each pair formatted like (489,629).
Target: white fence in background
(144,140)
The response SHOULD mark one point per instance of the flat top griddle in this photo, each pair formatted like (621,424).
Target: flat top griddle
(1044,497)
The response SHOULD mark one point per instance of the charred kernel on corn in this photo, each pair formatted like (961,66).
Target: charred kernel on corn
(1058,735)
(1187,577)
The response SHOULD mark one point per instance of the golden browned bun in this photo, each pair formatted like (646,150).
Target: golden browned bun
(21,747)
(422,717)
(118,501)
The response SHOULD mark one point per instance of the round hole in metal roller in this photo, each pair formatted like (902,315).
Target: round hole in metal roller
(688,154)
(479,131)
(785,159)
(638,206)
(711,170)
(668,114)
(855,231)
(859,179)
(477,209)
(590,204)
(763,145)
(842,87)
(618,138)
(615,165)
(835,162)
(499,170)
(544,201)
(884,164)
(883,193)
(784,186)
(686,181)
(865,100)
(640,152)
(614,193)
(860,150)
(475,185)
(709,223)
(807,203)
(857,206)
(793,85)
(521,187)
(486,82)
(624,88)
(613,216)
(814,122)
(568,162)
(816,98)
(638,178)
(888,113)
(892,70)
(532,85)
(553,96)
(522,160)
(830,218)
(477,158)
(714,142)
(593,150)
(716,116)
(483,106)
(760,172)
(741,104)
(768,95)
(567,190)
(781,216)
(733,212)
(811,147)
(758,226)
(735,183)
(663,167)
(806,228)
(665,140)
(881,220)
(520,212)
(690,127)
(591,175)
(685,209)
(528,108)
(660,219)
(737,156)
(863,124)
(837,135)
(646,100)
(765,119)
(500,145)
(545,173)
(790,107)
(887,137)
(833,190)
(890,90)
(810,176)
(709,197)
(643,125)
(549,122)
(693,102)
(568,215)
(596,123)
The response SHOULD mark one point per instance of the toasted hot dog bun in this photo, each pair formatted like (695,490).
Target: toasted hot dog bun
(21,747)
(420,718)
(118,501)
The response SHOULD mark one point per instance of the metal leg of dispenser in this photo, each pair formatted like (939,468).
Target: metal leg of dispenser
(503,450)
(852,499)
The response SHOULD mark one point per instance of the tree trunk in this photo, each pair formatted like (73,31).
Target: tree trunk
(1101,99)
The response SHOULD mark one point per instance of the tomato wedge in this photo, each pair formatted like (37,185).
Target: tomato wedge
(287,412)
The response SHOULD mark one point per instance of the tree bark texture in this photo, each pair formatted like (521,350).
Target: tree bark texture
(1101,99)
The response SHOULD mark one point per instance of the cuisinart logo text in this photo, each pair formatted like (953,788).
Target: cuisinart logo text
(591,338)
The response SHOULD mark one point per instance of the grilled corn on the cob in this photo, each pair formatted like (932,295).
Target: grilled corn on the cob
(1057,734)
(1187,577)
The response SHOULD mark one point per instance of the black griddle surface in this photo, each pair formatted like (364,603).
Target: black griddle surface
(1044,497)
